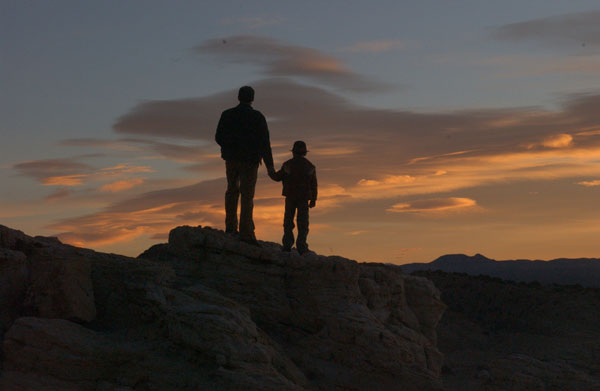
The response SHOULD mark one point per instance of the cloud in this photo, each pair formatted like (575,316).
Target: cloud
(562,140)
(58,194)
(357,232)
(71,173)
(595,182)
(281,59)
(122,185)
(580,29)
(558,141)
(196,153)
(47,169)
(433,205)
(376,46)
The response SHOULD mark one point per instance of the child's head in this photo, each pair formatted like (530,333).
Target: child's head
(299,148)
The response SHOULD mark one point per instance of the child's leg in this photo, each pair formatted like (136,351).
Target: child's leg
(302,220)
(288,224)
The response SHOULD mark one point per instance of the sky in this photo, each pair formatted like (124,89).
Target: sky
(436,127)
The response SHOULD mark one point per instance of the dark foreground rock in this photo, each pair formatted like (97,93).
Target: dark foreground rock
(501,335)
(206,311)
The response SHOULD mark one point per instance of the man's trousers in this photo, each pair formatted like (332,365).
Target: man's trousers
(241,179)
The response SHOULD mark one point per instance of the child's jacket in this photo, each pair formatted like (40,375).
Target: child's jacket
(299,179)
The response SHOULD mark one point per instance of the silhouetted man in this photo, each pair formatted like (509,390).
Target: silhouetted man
(243,136)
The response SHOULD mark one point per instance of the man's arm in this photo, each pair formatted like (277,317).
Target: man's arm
(220,134)
(313,188)
(226,135)
(266,153)
(277,176)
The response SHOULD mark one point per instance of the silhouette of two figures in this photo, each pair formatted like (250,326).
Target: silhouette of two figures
(243,135)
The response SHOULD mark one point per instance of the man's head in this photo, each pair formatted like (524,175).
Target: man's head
(299,148)
(246,94)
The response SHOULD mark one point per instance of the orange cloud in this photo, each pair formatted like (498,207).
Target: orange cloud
(458,172)
(357,232)
(125,168)
(561,140)
(593,183)
(122,185)
(387,181)
(64,180)
(558,141)
(433,205)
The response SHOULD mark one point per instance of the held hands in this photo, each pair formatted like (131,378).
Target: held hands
(312,203)
(271,172)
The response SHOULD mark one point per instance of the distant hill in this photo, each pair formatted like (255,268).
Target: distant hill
(582,271)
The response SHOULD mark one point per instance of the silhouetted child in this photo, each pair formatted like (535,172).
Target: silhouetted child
(299,178)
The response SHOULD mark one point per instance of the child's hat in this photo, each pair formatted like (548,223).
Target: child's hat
(299,147)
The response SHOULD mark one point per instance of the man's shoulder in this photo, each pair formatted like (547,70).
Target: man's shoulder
(257,113)
(229,111)
(243,108)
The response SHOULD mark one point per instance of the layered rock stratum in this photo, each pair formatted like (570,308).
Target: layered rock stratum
(208,312)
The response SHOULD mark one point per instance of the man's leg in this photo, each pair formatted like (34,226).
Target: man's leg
(288,224)
(302,220)
(248,174)
(232,195)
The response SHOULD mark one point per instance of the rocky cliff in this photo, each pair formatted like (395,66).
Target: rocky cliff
(206,311)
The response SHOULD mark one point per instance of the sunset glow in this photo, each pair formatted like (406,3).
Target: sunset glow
(434,130)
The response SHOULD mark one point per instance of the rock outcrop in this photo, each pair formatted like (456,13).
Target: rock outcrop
(206,311)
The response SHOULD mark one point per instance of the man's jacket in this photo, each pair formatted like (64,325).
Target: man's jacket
(299,178)
(243,135)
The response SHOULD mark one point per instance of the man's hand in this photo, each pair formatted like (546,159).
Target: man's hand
(271,172)
(312,203)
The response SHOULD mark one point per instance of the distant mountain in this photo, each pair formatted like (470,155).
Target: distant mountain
(583,271)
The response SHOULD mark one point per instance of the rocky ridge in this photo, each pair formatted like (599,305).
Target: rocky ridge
(205,311)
